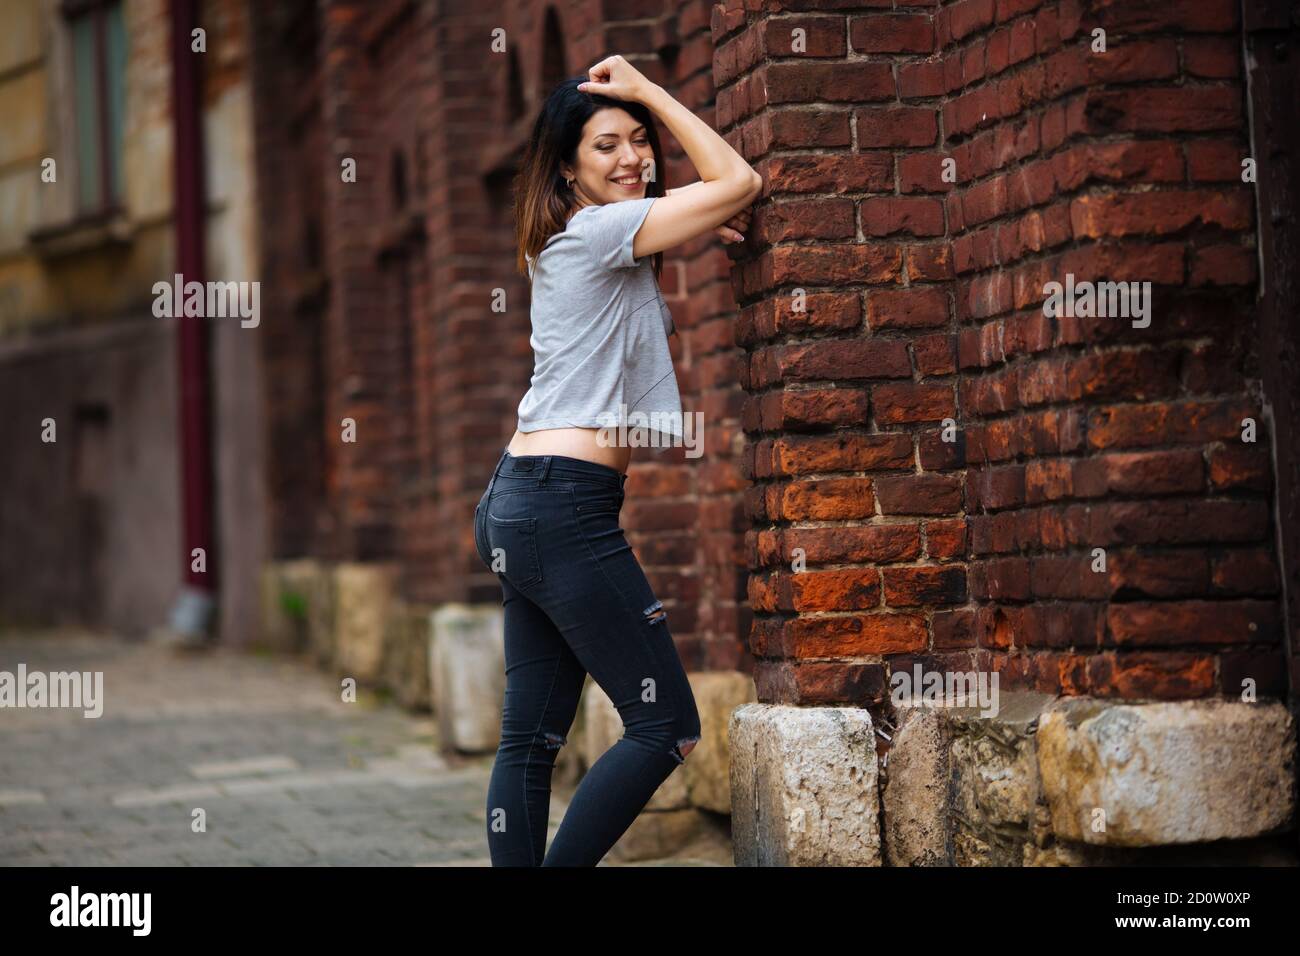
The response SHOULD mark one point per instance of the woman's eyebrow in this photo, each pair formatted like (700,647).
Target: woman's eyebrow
(639,129)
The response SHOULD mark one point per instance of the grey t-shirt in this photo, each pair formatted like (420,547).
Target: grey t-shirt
(600,330)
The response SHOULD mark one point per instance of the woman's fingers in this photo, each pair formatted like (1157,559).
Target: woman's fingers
(613,76)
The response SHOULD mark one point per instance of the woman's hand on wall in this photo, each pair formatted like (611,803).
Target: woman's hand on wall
(733,230)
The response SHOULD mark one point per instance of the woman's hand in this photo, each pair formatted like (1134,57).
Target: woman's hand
(732,231)
(614,76)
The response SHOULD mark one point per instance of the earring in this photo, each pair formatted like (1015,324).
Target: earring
(569,183)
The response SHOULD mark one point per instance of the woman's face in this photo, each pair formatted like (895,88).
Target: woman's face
(614,160)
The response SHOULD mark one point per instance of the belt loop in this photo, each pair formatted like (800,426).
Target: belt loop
(546,467)
(496,469)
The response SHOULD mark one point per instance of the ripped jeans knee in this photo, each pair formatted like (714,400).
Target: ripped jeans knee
(550,741)
(684,747)
(655,613)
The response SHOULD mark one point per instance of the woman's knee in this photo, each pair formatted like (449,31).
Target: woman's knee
(684,746)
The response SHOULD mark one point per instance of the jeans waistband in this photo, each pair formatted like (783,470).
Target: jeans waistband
(557,466)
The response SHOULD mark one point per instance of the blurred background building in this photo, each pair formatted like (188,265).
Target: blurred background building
(92,522)
(930,167)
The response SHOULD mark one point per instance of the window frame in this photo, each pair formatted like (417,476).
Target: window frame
(110,193)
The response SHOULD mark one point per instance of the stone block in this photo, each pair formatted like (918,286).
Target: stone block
(363,601)
(467,666)
(804,786)
(1119,774)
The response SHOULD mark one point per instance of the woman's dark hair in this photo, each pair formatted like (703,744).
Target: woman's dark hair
(543,201)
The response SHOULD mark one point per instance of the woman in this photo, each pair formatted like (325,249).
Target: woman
(593,219)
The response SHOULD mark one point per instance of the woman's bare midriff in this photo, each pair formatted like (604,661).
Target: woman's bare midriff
(582,443)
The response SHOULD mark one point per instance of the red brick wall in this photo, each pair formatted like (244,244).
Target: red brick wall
(924,303)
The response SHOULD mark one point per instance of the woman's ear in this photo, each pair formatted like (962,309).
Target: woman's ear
(566,172)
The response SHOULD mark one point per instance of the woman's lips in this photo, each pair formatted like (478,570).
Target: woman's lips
(634,185)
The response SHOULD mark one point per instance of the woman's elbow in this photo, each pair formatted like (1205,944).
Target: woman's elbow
(755,187)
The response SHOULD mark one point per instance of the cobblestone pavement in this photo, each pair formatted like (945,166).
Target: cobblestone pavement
(287,773)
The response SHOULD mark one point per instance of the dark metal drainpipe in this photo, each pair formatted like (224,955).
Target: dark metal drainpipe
(193,612)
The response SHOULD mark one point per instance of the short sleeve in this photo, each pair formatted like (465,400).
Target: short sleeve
(610,229)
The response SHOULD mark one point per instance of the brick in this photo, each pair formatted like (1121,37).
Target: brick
(896,126)
(830,82)
(1215,58)
(922,172)
(857,635)
(814,408)
(967,16)
(1144,624)
(919,80)
(929,262)
(846,359)
(820,311)
(1244,572)
(888,216)
(935,354)
(1215,160)
(1177,574)
(1239,466)
(906,402)
(822,36)
(916,586)
(802,129)
(919,307)
(841,452)
(853,589)
(1163,110)
(953,629)
(892,33)
(1153,16)
(945,540)
(1158,213)
(919,495)
(1004,579)
(804,219)
(1140,473)
(877,544)
(830,173)
(1223,264)
(1133,60)
(1162,676)
(1128,426)
(828,498)
(1070,578)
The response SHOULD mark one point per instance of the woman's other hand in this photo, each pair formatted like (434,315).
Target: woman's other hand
(733,230)
(614,76)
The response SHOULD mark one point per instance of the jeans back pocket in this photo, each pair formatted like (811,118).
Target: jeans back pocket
(517,539)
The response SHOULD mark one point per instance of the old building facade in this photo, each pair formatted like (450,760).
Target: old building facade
(92,490)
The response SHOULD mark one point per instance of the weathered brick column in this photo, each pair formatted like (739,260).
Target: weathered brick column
(947,472)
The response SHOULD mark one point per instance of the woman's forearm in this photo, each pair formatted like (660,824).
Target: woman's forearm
(712,156)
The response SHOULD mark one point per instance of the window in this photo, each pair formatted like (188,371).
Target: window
(554,71)
(99,73)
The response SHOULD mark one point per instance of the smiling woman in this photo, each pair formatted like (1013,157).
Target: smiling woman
(593,218)
(590,208)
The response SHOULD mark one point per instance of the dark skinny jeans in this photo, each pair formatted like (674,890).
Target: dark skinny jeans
(576,602)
